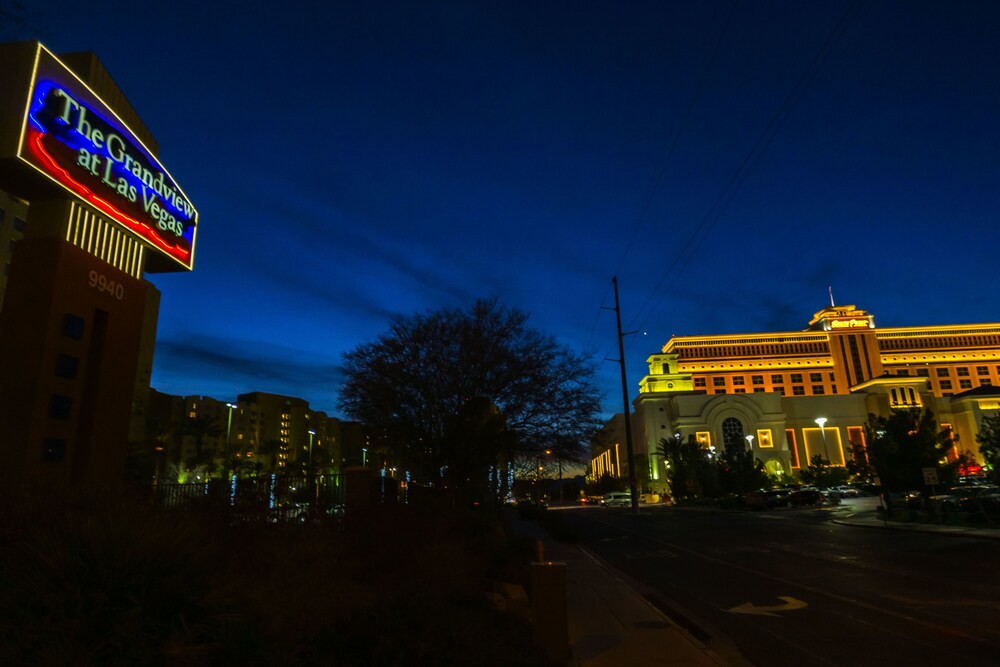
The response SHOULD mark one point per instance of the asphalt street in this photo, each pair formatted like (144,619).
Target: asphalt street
(795,588)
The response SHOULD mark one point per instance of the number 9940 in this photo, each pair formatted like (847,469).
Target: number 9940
(102,283)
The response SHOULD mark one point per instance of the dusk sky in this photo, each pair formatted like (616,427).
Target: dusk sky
(727,161)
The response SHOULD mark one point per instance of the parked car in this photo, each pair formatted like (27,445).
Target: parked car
(767,500)
(617,499)
(805,497)
(974,498)
(845,491)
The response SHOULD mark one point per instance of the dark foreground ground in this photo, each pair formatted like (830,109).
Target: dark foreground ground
(110,583)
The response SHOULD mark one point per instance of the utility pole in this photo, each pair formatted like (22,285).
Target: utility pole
(625,403)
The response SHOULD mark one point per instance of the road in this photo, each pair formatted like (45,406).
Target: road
(794,588)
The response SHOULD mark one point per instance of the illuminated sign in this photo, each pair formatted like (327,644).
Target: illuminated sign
(850,324)
(74,138)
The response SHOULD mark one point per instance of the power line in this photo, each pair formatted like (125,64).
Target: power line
(681,127)
(749,162)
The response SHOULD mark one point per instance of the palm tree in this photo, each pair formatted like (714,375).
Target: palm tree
(271,448)
(200,428)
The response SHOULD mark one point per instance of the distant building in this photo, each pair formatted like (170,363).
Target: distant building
(608,455)
(791,395)
(263,433)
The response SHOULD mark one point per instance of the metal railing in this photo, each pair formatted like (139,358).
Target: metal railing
(279,496)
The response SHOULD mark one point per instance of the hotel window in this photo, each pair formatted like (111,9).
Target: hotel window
(965,384)
(777,379)
(60,406)
(53,449)
(903,372)
(780,390)
(799,390)
(739,390)
(757,379)
(856,436)
(946,384)
(982,370)
(942,372)
(986,382)
(962,372)
(72,326)
(738,380)
(923,372)
(718,382)
(758,390)
(18,224)
(66,366)
(818,390)
(699,382)
(796,377)
(815,377)
(832,379)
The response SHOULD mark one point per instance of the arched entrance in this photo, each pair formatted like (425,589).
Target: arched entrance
(733,439)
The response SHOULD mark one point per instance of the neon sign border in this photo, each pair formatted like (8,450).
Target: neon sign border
(184,258)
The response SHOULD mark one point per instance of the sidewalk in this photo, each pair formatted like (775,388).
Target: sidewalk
(869,519)
(610,623)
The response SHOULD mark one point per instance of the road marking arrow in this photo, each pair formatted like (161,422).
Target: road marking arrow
(791,604)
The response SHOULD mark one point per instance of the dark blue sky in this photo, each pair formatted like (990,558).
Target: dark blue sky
(355,160)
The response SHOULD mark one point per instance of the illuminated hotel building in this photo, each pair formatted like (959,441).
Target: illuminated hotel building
(797,394)
(88,210)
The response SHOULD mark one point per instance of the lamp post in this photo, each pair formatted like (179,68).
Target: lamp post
(310,480)
(364,457)
(750,442)
(821,422)
(229,432)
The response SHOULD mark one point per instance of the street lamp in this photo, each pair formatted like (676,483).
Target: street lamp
(821,422)
(750,442)
(310,481)
(229,432)
(364,457)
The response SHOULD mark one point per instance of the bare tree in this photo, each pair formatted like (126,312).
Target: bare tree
(458,396)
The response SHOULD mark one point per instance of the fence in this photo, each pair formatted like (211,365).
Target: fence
(279,496)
